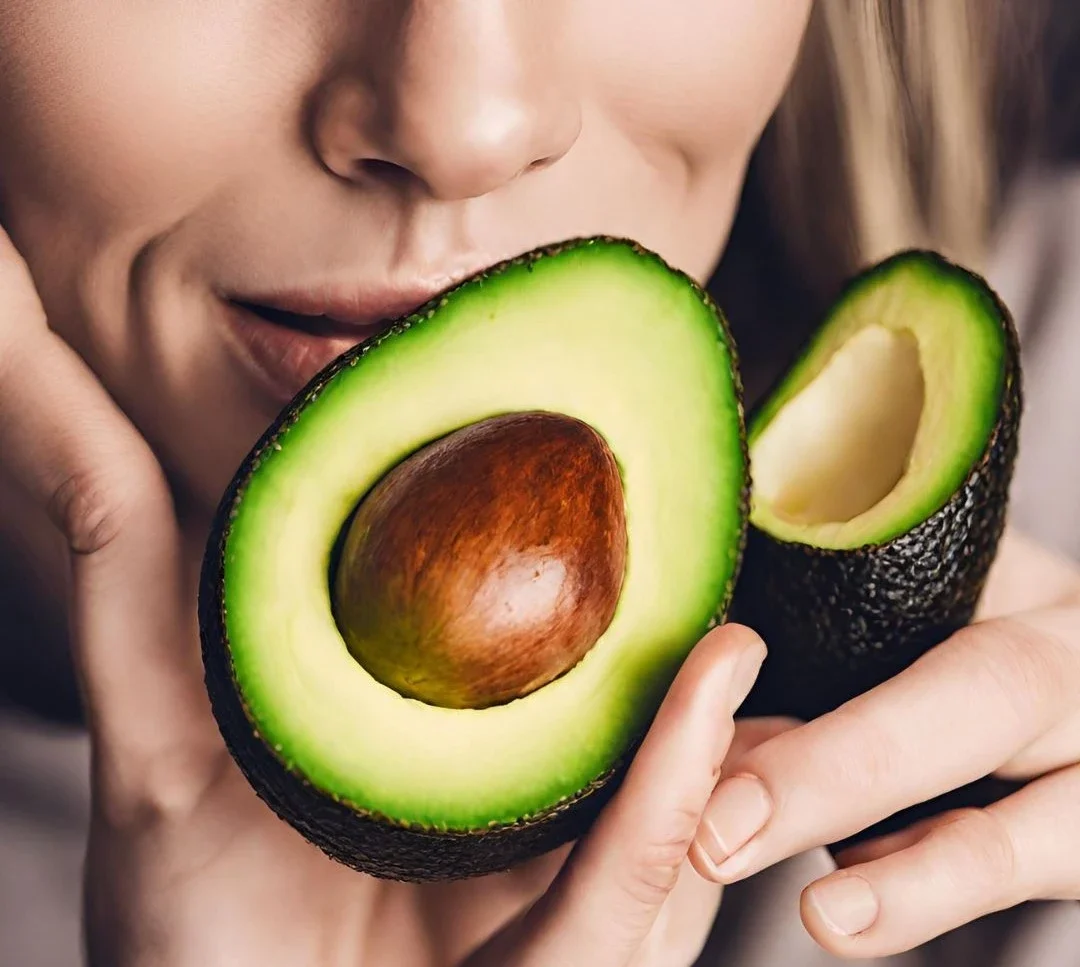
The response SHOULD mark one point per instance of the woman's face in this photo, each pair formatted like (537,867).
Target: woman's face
(346,158)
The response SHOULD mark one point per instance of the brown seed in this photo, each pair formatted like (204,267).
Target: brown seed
(487,564)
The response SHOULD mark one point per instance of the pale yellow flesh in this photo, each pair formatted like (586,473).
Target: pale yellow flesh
(911,364)
(842,445)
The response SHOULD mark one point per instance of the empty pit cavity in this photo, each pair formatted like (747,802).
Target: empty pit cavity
(843,443)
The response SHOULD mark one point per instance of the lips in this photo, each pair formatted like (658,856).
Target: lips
(287,338)
(316,325)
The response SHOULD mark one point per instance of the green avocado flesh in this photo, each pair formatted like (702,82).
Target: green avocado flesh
(882,418)
(599,330)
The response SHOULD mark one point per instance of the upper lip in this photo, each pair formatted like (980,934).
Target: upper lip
(346,311)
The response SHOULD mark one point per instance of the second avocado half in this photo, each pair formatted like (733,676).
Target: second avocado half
(881,466)
(448,589)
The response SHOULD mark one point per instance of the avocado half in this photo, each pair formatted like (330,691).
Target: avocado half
(598,330)
(881,467)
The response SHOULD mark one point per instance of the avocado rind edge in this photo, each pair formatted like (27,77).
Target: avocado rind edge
(364,840)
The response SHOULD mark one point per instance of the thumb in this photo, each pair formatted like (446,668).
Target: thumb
(604,902)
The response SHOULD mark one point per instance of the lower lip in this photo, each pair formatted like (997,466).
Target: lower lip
(285,360)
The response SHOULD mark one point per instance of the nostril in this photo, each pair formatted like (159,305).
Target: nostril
(385,171)
(402,177)
(538,165)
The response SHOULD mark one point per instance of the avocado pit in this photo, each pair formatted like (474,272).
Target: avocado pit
(487,564)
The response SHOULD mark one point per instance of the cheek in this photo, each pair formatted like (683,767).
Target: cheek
(126,112)
(119,120)
(702,75)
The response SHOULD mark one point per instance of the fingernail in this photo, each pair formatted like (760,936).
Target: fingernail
(845,903)
(739,807)
(743,676)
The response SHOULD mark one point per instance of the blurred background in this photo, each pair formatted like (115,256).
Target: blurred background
(1034,262)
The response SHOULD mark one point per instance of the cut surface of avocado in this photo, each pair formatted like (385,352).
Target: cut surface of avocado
(843,444)
(880,421)
(597,330)
(882,464)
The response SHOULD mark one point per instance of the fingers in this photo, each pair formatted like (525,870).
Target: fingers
(875,849)
(67,444)
(607,898)
(954,716)
(919,884)
(1060,744)
(749,733)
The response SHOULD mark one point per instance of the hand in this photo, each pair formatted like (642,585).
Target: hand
(186,867)
(998,698)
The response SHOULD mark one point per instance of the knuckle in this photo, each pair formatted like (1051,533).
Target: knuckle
(1028,673)
(987,855)
(92,508)
(655,864)
(142,791)
(90,512)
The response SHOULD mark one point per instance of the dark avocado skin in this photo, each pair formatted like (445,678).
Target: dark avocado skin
(369,842)
(840,622)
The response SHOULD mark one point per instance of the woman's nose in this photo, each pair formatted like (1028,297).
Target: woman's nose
(458,99)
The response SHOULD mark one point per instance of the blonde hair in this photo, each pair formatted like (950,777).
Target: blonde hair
(887,137)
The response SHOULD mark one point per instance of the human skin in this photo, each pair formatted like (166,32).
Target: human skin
(157,157)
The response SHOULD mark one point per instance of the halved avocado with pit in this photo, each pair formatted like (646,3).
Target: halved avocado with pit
(881,466)
(626,369)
